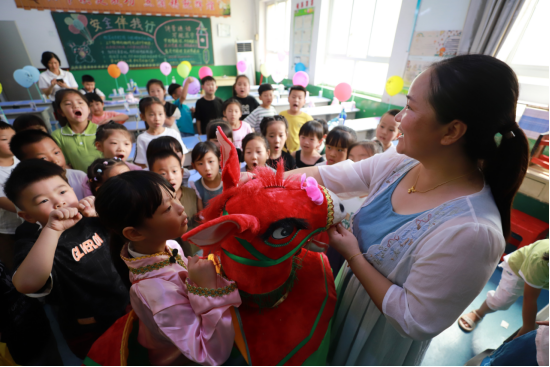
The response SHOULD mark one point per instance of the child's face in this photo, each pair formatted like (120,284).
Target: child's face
(309,143)
(5,138)
(154,116)
(296,100)
(96,108)
(155,90)
(358,153)
(232,113)
(75,109)
(168,222)
(242,88)
(117,145)
(208,166)
(255,154)
(335,154)
(89,86)
(267,97)
(170,169)
(210,87)
(177,93)
(45,149)
(276,137)
(387,130)
(39,199)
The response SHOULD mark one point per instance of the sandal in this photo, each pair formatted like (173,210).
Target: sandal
(472,324)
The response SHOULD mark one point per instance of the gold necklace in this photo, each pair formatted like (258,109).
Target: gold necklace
(413,188)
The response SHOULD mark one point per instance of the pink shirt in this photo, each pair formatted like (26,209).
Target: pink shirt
(106,115)
(240,133)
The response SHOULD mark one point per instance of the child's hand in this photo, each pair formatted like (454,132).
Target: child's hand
(343,241)
(63,219)
(202,272)
(87,207)
(192,109)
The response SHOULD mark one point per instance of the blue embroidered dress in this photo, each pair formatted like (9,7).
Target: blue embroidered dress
(439,260)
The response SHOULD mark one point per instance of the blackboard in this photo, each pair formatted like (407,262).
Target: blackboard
(94,41)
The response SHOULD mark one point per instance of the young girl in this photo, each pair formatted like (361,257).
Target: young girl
(152,112)
(311,135)
(206,160)
(173,296)
(275,129)
(339,140)
(155,88)
(388,130)
(364,149)
(101,170)
(241,88)
(232,112)
(115,141)
(77,136)
(256,152)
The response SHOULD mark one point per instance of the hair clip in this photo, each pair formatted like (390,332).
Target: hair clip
(117,159)
(173,257)
(105,163)
(95,178)
(99,170)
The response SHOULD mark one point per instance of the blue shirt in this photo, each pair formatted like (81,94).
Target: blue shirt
(185,122)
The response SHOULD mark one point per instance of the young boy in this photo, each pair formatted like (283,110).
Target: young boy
(100,117)
(208,107)
(88,82)
(68,259)
(387,131)
(9,220)
(29,121)
(32,144)
(179,93)
(295,117)
(265,92)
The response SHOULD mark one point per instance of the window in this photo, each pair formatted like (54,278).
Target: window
(277,35)
(360,41)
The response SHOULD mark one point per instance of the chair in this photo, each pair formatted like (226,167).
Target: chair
(528,228)
(536,155)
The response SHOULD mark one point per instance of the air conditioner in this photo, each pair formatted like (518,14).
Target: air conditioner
(245,52)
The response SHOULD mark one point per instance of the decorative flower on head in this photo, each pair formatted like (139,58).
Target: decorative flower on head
(312,189)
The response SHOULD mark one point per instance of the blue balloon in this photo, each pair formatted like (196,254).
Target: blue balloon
(34,72)
(299,67)
(78,24)
(23,78)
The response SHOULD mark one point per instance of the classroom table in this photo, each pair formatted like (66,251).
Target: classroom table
(283,105)
(329,112)
(135,125)
(283,93)
(190,97)
(118,105)
(26,103)
(42,112)
(365,128)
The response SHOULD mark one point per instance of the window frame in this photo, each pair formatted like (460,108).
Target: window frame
(267,51)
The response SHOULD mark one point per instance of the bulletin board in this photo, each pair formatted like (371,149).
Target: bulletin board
(303,34)
(94,41)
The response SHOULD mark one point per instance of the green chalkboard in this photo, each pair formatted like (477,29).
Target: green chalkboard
(94,41)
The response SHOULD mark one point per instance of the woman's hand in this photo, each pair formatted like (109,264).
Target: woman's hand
(63,85)
(343,241)
(53,82)
(202,272)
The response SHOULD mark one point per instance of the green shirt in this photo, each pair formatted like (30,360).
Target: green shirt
(527,263)
(79,149)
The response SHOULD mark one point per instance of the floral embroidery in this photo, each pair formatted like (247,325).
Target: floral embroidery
(207,292)
(330,209)
(154,266)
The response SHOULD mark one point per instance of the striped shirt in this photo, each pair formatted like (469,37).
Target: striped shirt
(257,115)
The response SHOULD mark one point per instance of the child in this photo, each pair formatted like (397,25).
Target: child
(169,143)
(524,272)
(264,110)
(103,169)
(364,149)
(208,107)
(295,117)
(155,88)
(36,144)
(211,129)
(76,137)
(388,130)
(179,93)
(9,220)
(66,261)
(153,113)
(311,134)
(100,117)
(241,88)
(232,112)
(275,129)
(256,152)
(171,294)
(206,160)
(88,82)
(338,141)
(28,121)
(115,141)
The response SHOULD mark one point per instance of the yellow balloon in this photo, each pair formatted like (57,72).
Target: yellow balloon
(1,88)
(394,85)
(188,64)
(265,70)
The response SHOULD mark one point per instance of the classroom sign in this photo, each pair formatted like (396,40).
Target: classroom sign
(204,8)
(94,41)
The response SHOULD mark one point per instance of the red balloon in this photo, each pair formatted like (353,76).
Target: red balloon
(342,92)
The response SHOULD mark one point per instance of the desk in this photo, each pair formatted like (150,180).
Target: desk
(42,112)
(118,97)
(329,112)
(365,128)
(118,105)
(27,103)
(225,81)
(535,183)
(283,104)
(255,93)
(135,125)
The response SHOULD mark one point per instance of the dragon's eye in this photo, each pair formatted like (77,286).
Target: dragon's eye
(283,232)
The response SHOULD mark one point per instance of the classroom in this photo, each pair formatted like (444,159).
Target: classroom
(274,182)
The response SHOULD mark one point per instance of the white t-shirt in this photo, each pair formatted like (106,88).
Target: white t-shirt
(177,115)
(240,133)
(97,91)
(145,138)
(46,77)
(8,221)
(76,177)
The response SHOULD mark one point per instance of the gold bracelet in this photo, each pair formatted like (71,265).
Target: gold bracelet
(353,257)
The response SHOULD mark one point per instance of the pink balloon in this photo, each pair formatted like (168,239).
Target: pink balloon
(342,92)
(281,55)
(123,66)
(165,68)
(301,78)
(277,76)
(241,66)
(73,29)
(205,71)
(83,19)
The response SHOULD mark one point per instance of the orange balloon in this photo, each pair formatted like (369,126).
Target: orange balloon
(113,71)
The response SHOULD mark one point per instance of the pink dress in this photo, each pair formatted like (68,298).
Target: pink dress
(177,321)
(240,133)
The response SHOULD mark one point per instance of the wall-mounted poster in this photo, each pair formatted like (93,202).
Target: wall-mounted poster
(435,43)
(303,33)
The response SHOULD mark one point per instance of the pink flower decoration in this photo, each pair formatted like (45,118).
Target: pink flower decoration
(312,189)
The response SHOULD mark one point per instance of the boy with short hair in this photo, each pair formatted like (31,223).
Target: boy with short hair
(29,121)
(265,92)
(179,93)
(32,144)
(208,107)
(88,82)
(98,115)
(295,117)
(68,259)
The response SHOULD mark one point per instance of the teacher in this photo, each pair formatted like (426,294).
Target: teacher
(433,228)
(54,78)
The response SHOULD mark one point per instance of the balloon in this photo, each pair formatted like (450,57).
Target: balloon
(23,78)
(34,72)
(69,21)
(194,86)
(342,91)
(205,71)
(183,70)
(241,66)
(299,67)
(265,70)
(83,19)
(301,78)
(165,68)
(73,29)
(1,89)
(394,85)
(123,66)
(278,76)
(188,64)
(78,24)
(281,55)
(113,71)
